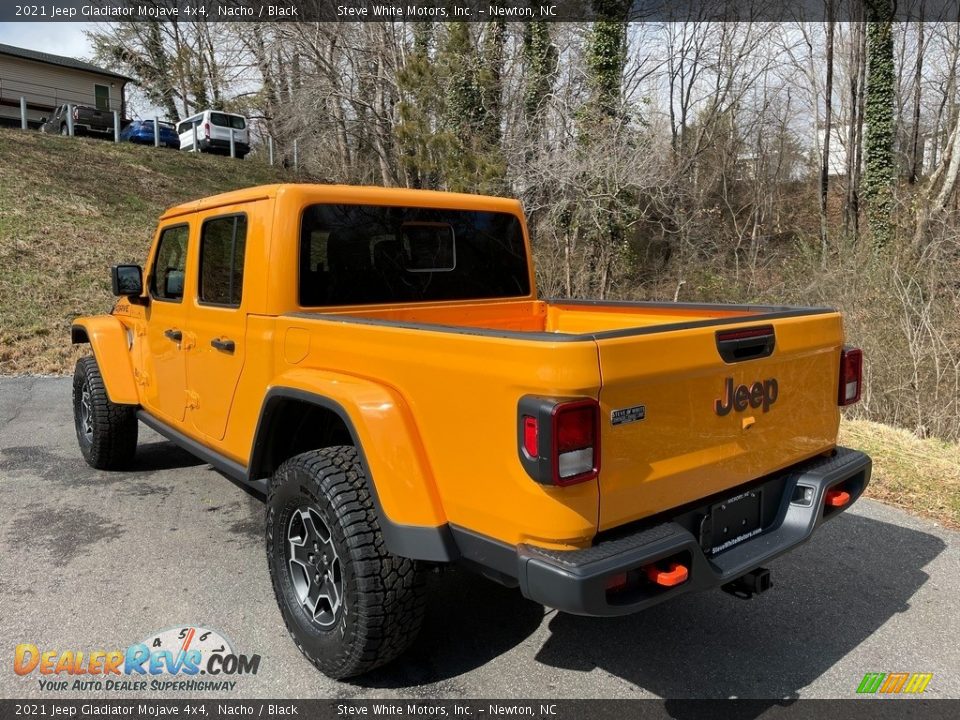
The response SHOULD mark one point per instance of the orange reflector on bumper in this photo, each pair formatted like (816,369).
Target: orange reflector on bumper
(837,498)
(667,578)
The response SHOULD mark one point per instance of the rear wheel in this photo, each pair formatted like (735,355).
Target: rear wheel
(349,604)
(106,432)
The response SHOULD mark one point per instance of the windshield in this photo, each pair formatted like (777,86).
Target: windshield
(360,254)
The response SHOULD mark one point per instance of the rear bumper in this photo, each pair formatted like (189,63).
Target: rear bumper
(143,139)
(215,144)
(576,581)
(80,128)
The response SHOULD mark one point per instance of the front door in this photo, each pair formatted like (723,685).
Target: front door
(164,356)
(217,322)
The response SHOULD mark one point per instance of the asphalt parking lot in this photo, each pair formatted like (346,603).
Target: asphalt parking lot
(92,560)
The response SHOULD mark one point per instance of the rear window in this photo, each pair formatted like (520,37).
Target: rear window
(360,254)
(222,244)
(224,120)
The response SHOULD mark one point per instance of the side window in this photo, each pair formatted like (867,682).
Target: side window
(102,96)
(166,279)
(222,242)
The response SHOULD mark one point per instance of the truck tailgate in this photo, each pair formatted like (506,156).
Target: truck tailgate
(671,433)
(95,118)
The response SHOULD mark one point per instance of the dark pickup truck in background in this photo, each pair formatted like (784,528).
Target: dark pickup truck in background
(86,120)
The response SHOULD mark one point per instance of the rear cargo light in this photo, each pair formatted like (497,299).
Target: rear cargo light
(851,376)
(744,333)
(559,439)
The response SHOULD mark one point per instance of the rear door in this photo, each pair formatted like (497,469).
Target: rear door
(217,323)
(692,412)
(221,125)
(185,131)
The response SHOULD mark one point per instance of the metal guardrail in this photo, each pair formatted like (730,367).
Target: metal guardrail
(24,102)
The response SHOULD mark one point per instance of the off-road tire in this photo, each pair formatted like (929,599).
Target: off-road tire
(110,440)
(383,595)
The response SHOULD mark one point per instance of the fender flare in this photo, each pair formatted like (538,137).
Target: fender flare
(433,543)
(108,339)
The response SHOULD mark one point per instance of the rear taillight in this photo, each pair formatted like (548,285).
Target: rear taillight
(530,436)
(76,112)
(576,435)
(560,439)
(206,130)
(851,376)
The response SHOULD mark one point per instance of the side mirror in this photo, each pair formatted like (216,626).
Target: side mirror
(127,280)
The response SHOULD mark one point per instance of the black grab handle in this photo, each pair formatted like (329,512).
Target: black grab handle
(746,343)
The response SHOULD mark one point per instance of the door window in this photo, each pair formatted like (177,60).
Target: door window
(166,280)
(222,243)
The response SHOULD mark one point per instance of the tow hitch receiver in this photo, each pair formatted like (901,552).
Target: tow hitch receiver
(746,586)
(837,498)
(675,574)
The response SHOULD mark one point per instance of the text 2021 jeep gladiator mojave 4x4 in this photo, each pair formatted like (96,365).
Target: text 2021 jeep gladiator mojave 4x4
(375,363)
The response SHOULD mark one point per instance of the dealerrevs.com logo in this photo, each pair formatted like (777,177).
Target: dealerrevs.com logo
(894,683)
(187,658)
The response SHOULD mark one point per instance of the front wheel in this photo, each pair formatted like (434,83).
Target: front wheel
(349,604)
(107,432)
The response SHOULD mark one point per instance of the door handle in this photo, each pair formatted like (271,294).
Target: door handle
(226,345)
(173,334)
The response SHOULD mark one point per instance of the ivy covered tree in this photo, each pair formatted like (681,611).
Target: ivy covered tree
(602,210)
(540,67)
(880,172)
(606,55)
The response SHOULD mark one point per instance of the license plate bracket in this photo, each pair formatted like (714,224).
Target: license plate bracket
(731,522)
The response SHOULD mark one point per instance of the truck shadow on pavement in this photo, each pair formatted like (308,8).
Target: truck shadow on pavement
(162,455)
(469,621)
(828,597)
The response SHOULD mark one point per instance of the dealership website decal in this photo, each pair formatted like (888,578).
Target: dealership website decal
(168,660)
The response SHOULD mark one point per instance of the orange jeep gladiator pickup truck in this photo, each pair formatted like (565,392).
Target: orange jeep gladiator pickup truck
(377,365)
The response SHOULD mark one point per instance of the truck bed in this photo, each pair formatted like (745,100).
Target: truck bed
(577,319)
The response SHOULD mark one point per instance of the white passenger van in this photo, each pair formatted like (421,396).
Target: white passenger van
(213,132)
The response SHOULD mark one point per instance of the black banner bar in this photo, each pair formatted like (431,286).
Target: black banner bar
(470,10)
(873,709)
